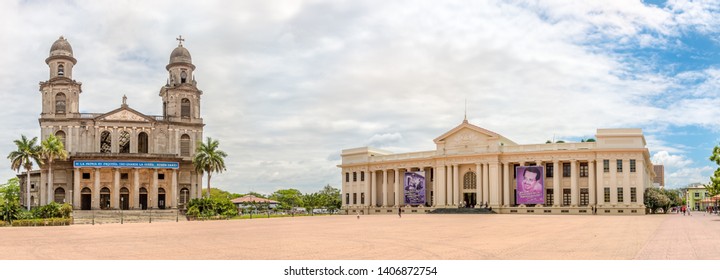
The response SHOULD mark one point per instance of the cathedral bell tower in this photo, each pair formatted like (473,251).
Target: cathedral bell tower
(60,94)
(180,95)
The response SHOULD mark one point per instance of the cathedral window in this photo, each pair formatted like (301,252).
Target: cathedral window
(124,142)
(61,70)
(61,136)
(143,143)
(185,108)
(105,142)
(183,77)
(60,103)
(185,145)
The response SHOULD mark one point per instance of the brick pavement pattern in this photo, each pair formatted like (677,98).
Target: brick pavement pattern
(378,237)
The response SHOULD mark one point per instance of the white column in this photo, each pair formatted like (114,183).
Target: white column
(486,183)
(506,184)
(626,182)
(373,188)
(449,185)
(478,183)
(640,189)
(440,185)
(494,184)
(385,188)
(613,182)
(573,183)
(591,181)
(557,189)
(397,188)
(456,184)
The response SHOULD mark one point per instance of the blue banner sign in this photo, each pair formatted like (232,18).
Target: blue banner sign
(126,164)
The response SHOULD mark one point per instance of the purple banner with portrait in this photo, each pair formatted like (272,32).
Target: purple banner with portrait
(414,188)
(530,185)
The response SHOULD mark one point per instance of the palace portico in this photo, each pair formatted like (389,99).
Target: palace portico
(473,167)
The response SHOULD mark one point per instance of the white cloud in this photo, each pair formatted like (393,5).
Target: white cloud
(288,83)
(670,161)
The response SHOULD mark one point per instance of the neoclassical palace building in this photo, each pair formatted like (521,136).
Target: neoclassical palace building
(474,167)
(121,158)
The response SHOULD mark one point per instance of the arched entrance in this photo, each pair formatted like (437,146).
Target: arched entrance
(86,199)
(124,198)
(184,197)
(143,198)
(59,195)
(104,198)
(161,198)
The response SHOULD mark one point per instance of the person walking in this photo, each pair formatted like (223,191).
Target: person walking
(399,212)
(358,215)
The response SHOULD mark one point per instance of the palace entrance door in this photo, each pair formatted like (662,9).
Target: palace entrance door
(470,199)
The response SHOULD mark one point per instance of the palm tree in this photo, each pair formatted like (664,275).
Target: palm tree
(27,152)
(208,158)
(50,149)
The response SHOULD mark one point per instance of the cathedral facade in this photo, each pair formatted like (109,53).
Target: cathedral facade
(473,167)
(121,159)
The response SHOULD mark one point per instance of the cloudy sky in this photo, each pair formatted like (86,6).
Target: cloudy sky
(289,84)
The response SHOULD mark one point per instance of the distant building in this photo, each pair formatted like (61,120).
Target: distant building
(249,200)
(695,196)
(659,177)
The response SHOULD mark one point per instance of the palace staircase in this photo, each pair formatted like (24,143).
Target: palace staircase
(462,211)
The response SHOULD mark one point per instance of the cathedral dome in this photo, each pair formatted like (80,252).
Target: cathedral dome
(180,55)
(61,47)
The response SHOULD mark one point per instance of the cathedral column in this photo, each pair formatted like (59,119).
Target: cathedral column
(591,181)
(75,191)
(152,193)
(478,185)
(96,190)
(506,184)
(557,189)
(173,190)
(573,183)
(136,188)
(385,188)
(115,201)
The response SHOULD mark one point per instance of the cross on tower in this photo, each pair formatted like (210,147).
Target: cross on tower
(180,40)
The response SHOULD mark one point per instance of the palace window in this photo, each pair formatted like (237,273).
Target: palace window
(584,197)
(549,170)
(633,195)
(362,176)
(470,181)
(566,197)
(347,198)
(347,176)
(549,200)
(607,195)
(632,165)
(583,169)
(362,198)
(619,165)
(185,108)
(124,142)
(60,103)
(354,198)
(620,194)
(105,142)
(515,166)
(185,145)
(606,165)
(143,143)
(354,176)
(566,169)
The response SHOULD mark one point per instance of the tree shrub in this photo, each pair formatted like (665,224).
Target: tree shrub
(211,207)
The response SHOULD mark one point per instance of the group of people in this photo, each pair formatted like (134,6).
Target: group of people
(464,204)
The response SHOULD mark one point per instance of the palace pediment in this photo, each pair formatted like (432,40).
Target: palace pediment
(470,138)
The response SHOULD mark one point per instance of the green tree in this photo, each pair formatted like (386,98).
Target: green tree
(312,201)
(288,198)
(330,198)
(256,194)
(218,193)
(209,158)
(655,198)
(27,152)
(10,200)
(50,149)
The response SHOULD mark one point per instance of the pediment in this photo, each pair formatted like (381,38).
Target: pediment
(467,133)
(125,114)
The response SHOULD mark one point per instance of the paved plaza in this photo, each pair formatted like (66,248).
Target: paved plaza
(452,237)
